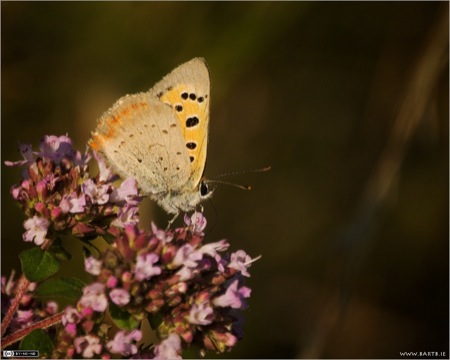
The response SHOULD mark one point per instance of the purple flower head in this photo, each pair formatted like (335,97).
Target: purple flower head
(94,297)
(186,273)
(72,204)
(36,230)
(241,262)
(201,314)
(120,297)
(145,268)
(71,316)
(233,296)
(124,343)
(28,156)
(24,318)
(127,192)
(71,329)
(169,348)
(58,187)
(212,248)
(105,173)
(88,346)
(196,221)
(56,148)
(97,193)
(127,215)
(162,235)
(82,160)
(111,282)
(188,256)
(92,265)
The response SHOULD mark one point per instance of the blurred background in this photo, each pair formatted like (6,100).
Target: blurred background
(347,101)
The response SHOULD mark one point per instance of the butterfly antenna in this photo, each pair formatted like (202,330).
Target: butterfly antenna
(264,169)
(223,182)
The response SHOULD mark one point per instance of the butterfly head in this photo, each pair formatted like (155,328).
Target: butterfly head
(186,200)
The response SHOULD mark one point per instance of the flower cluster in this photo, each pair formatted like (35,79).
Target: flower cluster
(58,195)
(189,290)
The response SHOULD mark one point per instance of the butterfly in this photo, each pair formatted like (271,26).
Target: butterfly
(160,137)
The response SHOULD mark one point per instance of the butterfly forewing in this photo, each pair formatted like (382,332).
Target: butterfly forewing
(187,91)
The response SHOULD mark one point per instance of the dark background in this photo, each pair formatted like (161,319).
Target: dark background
(347,101)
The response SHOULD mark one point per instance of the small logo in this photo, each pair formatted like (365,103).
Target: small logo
(21,353)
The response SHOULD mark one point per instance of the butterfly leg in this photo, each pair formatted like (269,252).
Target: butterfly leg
(172,220)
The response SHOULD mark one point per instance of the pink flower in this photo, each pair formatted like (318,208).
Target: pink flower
(127,192)
(82,160)
(165,237)
(71,329)
(27,153)
(24,317)
(36,230)
(97,193)
(123,343)
(92,265)
(73,204)
(170,348)
(111,282)
(233,297)
(105,172)
(94,297)
(144,267)
(71,316)
(186,273)
(120,297)
(197,221)
(77,204)
(56,147)
(127,215)
(212,248)
(200,314)
(187,255)
(88,345)
(241,261)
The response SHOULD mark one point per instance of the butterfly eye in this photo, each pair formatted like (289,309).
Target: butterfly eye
(204,189)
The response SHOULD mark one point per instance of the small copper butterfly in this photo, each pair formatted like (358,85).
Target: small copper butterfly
(160,137)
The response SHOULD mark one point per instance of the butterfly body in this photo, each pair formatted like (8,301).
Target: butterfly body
(160,137)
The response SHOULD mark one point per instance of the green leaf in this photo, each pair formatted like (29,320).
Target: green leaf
(122,319)
(38,340)
(68,288)
(38,265)
(58,251)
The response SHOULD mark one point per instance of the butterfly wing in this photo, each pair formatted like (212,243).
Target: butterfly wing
(141,137)
(187,91)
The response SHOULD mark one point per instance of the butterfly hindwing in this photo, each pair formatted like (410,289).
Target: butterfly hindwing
(142,138)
